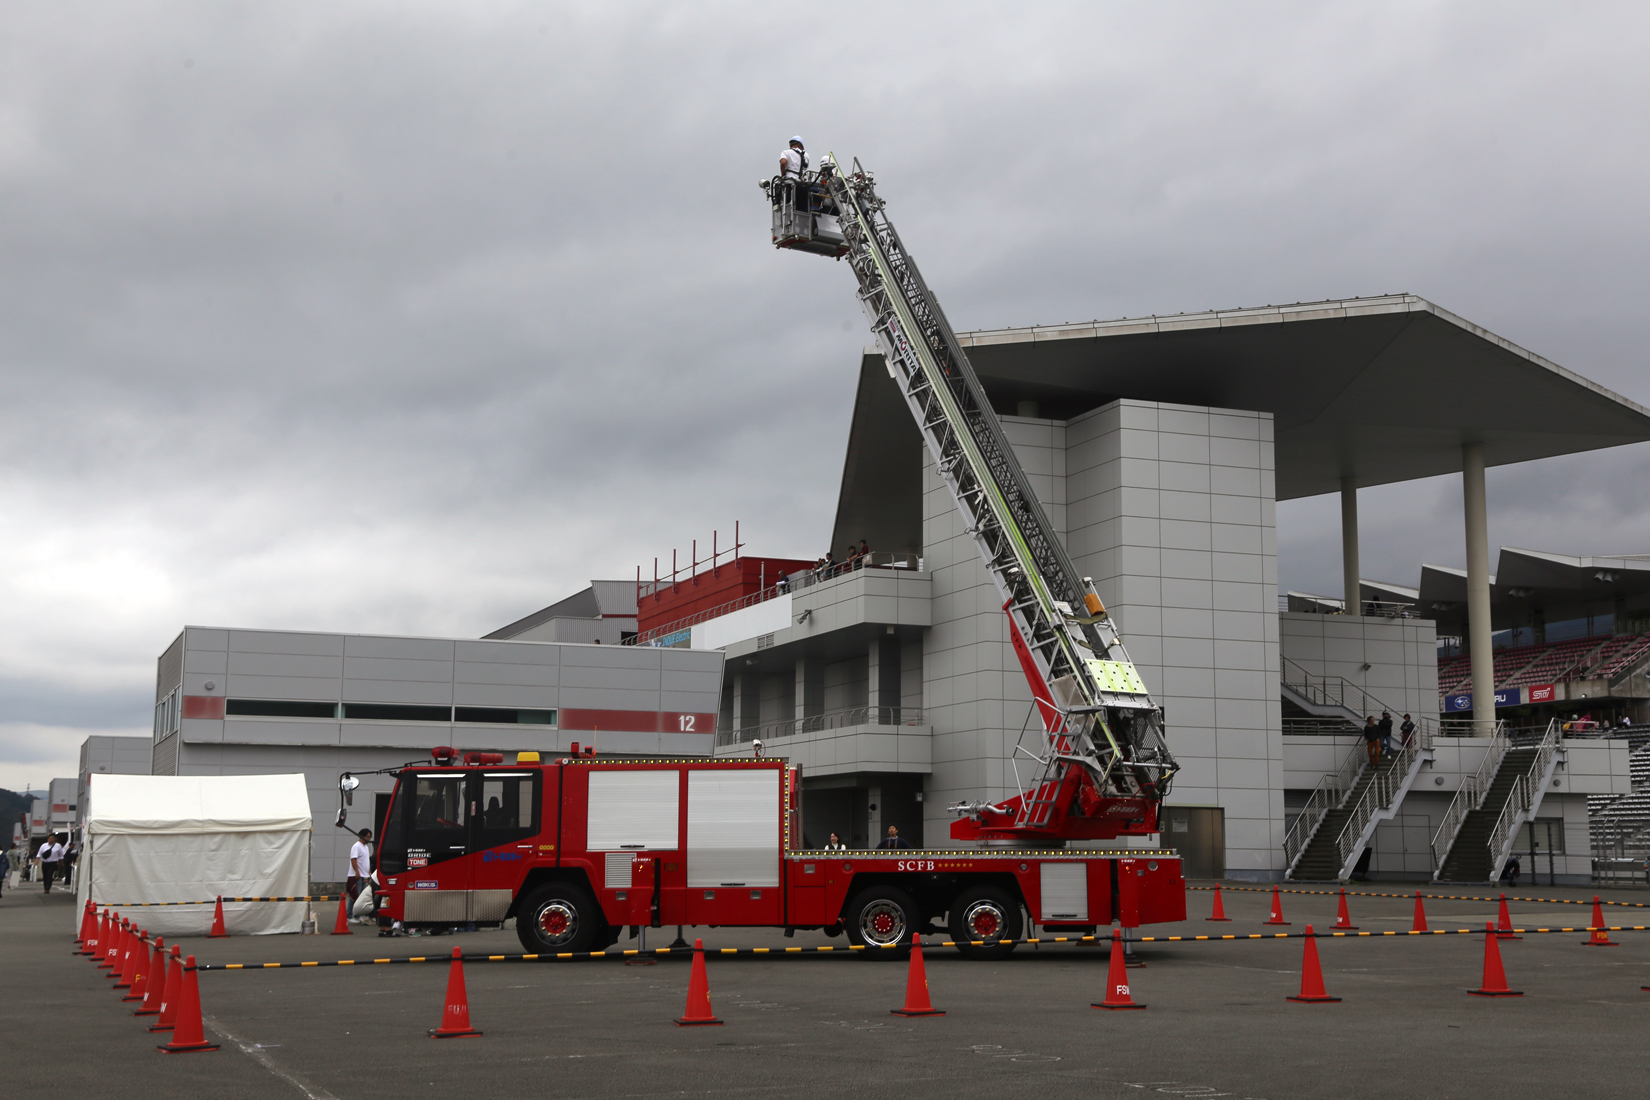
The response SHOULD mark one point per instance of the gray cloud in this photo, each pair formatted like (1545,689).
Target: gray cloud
(415,317)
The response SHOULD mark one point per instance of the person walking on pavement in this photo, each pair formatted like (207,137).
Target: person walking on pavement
(16,860)
(51,853)
(1372,740)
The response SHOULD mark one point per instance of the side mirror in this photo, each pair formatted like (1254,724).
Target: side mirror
(346,796)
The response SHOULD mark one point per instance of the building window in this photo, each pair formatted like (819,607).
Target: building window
(280,708)
(398,712)
(505,716)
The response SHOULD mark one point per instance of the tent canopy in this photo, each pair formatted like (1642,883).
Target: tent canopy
(153,804)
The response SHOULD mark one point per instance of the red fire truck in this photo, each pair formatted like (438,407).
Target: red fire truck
(578,848)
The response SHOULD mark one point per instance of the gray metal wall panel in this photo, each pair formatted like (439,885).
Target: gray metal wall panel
(607,656)
(495,672)
(397,668)
(271,641)
(398,691)
(283,664)
(507,653)
(196,637)
(619,679)
(206,661)
(169,669)
(505,695)
(418,649)
(281,687)
(276,731)
(607,699)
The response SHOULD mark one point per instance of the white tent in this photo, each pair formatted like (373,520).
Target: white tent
(157,838)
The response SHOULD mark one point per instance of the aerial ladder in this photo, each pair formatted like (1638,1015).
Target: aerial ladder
(1103,768)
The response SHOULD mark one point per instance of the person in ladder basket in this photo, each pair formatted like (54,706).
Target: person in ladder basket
(792,163)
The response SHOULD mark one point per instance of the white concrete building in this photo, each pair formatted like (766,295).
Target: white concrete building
(1160,448)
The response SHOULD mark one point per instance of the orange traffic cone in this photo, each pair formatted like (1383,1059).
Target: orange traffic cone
(112,957)
(455,1016)
(1601,934)
(1343,919)
(342,927)
(1219,912)
(188,1035)
(169,993)
(1277,908)
(87,936)
(127,951)
(218,930)
(698,1012)
(916,986)
(140,967)
(1495,978)
(1312,990)
(1117,980)
(1420,924)
(1503,923)
(154,982)
(100,956)
(88,931)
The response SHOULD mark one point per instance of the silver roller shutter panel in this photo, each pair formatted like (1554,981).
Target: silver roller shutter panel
(733,828)
(1065,891)
(634,810)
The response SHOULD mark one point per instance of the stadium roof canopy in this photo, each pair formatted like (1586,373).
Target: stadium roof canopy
(1530,586)
(1381,389)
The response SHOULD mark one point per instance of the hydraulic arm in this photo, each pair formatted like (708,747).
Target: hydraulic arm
(1103,767)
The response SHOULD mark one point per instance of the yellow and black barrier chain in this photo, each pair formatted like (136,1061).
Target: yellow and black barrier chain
(208,901)
(1411,896)
(686,952)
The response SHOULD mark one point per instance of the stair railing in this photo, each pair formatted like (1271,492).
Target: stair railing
(1330,792)
(1523,794)
(1379,795)
(1468,798)
(1329,691)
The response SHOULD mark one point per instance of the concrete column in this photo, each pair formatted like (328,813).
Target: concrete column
(741,718)
(1349,545)
(873,678)
(1478,589)
(810,690)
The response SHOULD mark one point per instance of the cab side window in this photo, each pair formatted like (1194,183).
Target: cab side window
(507,809)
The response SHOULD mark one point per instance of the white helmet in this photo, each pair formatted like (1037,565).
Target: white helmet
(796,139)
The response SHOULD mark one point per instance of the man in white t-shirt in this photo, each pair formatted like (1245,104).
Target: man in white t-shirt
(51,853)
(360,868)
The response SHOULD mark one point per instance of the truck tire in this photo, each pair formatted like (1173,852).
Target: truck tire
(881,919)
(559,917)
(985,913)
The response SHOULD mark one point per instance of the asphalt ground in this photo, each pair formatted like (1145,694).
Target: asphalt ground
(1217,1023)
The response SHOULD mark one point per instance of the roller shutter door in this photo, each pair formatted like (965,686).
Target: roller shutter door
(1065,889)
(634,810)
(733,828)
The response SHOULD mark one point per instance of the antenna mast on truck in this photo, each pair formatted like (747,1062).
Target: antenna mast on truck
(1104,768)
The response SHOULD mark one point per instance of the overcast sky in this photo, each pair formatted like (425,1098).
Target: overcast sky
(413,317)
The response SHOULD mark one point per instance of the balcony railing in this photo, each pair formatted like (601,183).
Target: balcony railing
(814,723)
(795,582)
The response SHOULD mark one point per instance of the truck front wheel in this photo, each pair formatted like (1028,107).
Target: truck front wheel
(556,918)
(881,920)
(985,913)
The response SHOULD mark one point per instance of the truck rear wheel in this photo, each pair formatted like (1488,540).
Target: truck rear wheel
(557,917)
(985,913)
(882,919)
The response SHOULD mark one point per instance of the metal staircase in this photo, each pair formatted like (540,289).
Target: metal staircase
(1332,849)
(1481,825)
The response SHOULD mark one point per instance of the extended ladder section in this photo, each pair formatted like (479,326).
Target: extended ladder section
(1104,768)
